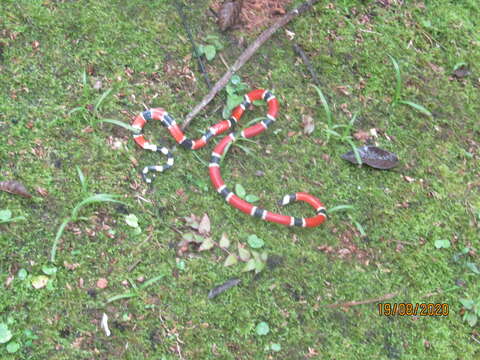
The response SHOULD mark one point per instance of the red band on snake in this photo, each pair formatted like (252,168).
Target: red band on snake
(221,148)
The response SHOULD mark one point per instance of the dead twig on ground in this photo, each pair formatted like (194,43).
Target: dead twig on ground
(244,57)
(363,302)
(307,63)
(201,64)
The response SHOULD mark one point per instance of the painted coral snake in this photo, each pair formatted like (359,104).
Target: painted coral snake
(222,147)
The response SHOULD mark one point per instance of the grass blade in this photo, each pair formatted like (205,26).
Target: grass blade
(120,123)
(122,296)
(12,219)
(398,76)
(251,122)
(340,208)
(102,98)
(360,228)
(74,110)
(247,140)
(417,107)
(352,120)
(332,132)
(94,199)
(355,152)
(84,78)
(203,162)
(328,113)
(245,149)
(83,182)
(59,234)
(151,281)
(226,150)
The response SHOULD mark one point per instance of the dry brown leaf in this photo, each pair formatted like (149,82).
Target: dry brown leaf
(374,157)
(362,135)
(77,343)
(308,124)
(9,280)
(343,90)
(204,227)
(193,221)
(133,161)
(42,191)
(87,130)
(224,287)
(344,108)
(14,187)
(254,14)
(436,68)
(325,248)
(70,266)
(461,72)
(91,69)
(229,14)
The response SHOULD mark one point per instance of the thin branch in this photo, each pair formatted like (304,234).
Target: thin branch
(192,42)
(307,63)
(244,57)
(363,302)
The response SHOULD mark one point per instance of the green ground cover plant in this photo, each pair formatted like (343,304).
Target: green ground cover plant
(71,72)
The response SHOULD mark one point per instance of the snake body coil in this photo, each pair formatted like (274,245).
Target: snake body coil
(222,147)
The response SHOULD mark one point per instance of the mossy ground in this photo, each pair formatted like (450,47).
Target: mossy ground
(139,50)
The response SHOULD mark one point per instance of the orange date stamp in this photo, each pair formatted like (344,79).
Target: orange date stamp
(410,309)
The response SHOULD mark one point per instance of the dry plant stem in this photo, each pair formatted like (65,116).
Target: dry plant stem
(307,63)
(363,302)
(380,299)
(134,265)
(192,42)
(244,57)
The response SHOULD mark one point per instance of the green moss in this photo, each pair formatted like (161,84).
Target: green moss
(134,48)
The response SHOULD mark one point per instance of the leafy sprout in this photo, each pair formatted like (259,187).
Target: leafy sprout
(74,214)
(332,129)
(398,91)
(6,217)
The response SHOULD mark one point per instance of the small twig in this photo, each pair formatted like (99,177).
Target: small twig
(405,243)
(12,233)
(143,199)
(369,31)
(175,229)
(216,109)
(434,293)
(307,63)
(244,57)
(134,265)
(147,239)
(363,302)
(174,333)
(223,61)
(194,47)
(475,339)
(214,13)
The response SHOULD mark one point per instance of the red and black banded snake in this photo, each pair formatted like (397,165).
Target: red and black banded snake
(220,149)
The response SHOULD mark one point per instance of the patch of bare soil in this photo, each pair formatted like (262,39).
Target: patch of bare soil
(256,14)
